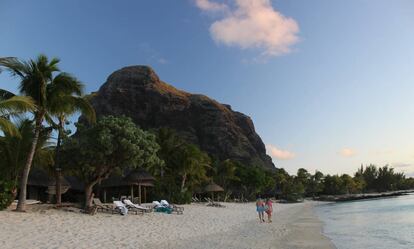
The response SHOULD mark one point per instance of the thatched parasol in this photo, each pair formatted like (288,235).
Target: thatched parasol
(142,178)
(64,184)
(213,187)
(38,178)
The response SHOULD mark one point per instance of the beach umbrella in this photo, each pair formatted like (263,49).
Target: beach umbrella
(213,187)
(141,178)
(64,184)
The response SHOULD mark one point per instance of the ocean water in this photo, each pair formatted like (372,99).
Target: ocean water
(381,223)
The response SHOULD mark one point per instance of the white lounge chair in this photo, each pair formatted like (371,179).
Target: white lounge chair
(129,205)
(122,208)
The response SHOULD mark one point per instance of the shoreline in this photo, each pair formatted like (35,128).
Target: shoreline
(306,230)
(236,226)
(365,196)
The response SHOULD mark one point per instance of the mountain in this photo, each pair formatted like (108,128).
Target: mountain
(137,92)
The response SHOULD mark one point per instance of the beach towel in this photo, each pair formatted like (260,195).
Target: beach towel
(122,208)
(157,204)
(165,203)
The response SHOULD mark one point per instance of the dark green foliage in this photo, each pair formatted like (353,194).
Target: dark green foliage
(184,167)
(7,193)
(372,179)
(113,145)
(14,149)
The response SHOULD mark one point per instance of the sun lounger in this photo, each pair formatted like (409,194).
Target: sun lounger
(122,208)
(195,199)
(104,207)
(130,205)
(175,208)
(211,203)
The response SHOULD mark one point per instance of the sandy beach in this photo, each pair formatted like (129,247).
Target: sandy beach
(236,226)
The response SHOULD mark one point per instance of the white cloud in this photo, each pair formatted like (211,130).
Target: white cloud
(162,61)
(208,5)
(347,152)
(253,24)
(151,54)
(402,165)
(278,153)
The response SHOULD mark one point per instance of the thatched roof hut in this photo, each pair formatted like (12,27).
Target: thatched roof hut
(40,184)
(213,187)
(139,177)
(38,178)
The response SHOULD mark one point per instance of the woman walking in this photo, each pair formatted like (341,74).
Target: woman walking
(269,209)
(260,209)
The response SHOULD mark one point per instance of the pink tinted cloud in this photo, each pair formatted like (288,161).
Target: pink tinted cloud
(255,24)
(279,153)
(347,152)
(208,5)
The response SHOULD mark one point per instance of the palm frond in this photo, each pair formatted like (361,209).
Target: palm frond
(83,105)
(65,83)
(8,127)
(17,104)
(14,66)
(4,94)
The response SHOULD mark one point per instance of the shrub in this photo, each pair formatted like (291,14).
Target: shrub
(6,194)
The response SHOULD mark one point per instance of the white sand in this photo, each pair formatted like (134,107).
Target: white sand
(236,226)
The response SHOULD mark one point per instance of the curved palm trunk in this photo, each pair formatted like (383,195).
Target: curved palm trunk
(57,168)
(21,205)
(183,180)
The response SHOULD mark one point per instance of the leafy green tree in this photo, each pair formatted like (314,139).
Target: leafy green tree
(184,169)
(281,178)
(169,143)
(191,165)
(252,180)
(114,144)
(333,185)
(315,185)
(385,179)
(370,175)
(348,184)
(293,189)
(303,177)
(225,175)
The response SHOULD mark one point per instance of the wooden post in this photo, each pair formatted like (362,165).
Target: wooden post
(132,192)
(139,190)
(58,188)
(104,195)
(145,194)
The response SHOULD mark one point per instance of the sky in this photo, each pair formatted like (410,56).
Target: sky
(329,84)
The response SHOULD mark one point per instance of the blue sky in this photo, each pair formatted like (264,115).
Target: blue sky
(328,84)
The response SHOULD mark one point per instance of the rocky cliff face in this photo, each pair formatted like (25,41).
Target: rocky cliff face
(137,92)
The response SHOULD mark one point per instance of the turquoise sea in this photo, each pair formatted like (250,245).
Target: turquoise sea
(380,223)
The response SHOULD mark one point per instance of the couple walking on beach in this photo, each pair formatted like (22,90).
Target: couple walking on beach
(262,207)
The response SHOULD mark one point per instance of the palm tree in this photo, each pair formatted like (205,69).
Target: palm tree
(36,81)
(11,105)
(169,142)
(66,98)
(14,149)
(191,166)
